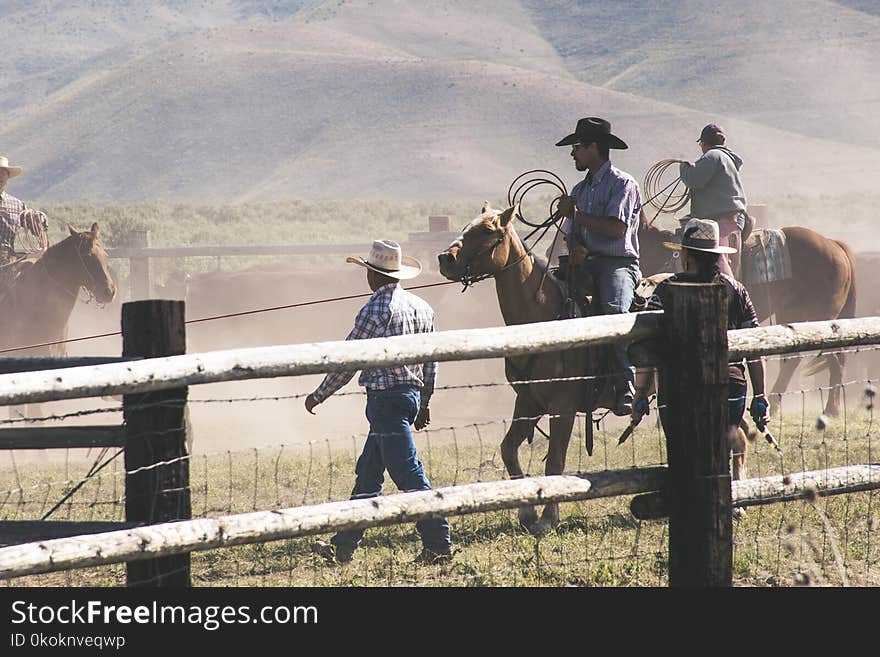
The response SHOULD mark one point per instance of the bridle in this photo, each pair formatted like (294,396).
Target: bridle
(90,295)
(520,186)
(468,280)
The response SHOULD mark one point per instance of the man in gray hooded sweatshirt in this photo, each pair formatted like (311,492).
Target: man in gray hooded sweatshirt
(717,192)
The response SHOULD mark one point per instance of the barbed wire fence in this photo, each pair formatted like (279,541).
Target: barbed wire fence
(815,540)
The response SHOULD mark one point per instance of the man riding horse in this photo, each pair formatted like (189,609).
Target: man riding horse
(602,218)
(717,193)
(14,215)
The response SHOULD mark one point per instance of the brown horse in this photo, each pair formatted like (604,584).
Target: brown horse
(822,287)
(37,307)
(490,247)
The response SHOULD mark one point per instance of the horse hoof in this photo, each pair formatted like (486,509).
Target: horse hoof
(541,528)
(528,518)
(739,513)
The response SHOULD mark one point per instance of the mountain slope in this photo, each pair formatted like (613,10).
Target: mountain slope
(808,66)
(392,100)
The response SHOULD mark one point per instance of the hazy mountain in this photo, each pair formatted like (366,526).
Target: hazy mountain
(243,101)
(807,66)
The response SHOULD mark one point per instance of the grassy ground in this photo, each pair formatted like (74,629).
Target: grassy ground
(829,541)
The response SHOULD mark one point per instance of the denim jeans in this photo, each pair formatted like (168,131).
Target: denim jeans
(389,446)
(736,404)
(615,280)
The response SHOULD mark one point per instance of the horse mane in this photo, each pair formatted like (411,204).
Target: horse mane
(54,249)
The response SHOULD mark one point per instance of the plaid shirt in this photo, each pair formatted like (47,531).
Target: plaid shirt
(390,311)
(740,310)
(10,211)
(609,193)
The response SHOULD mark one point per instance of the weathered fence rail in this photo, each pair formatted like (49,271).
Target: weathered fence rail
(153,438)
(141,254)
(463,344)
(168,539)
(317,358)
(705,358)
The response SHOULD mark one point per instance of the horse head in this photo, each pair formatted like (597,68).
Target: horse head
(655,258)
(483,248)
(89,267)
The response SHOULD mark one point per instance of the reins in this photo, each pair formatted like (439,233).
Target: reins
(73,293)
(515,194)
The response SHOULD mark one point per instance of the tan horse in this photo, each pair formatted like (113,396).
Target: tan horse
(822,287)
(490,247)
(37,307)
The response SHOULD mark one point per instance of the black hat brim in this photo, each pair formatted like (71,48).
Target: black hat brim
(612,140)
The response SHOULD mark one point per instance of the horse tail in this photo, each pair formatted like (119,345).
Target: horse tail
(847,311)
(849,307)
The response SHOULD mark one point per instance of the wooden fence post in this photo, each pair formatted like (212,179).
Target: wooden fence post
(694,381)
(156,433)
(141,274)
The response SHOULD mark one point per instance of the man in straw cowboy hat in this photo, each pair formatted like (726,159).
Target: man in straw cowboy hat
(602,214)
(703,254)
(396,397)
(717,193)
(14,214)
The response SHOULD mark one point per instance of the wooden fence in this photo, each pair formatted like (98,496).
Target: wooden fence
(140,253)
(696,490)
(157,419)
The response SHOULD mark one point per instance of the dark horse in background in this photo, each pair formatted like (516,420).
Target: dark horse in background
(38,305)
(822,287)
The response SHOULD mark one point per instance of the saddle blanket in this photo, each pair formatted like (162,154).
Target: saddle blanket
(765,257)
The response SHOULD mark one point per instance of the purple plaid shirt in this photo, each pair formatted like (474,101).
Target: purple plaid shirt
(390,311)
(609,193)
(10,210)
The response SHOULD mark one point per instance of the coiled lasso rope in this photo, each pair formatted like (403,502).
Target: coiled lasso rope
(672,202)
(520,186)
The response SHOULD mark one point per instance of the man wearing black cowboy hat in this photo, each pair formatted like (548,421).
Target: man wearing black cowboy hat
(602,215)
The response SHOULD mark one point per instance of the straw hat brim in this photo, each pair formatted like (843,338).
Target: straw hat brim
(409,267)
(717,249)
(13,171)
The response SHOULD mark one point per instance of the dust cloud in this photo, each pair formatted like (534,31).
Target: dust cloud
(269,412)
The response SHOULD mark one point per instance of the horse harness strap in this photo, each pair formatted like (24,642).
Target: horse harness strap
(467,280)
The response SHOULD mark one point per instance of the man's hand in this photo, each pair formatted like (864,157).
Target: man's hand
(759,410)
(566,206)
(423,418)
(311,402)
(640,409)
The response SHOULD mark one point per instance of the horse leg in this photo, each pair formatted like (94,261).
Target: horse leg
(739,451)
(835,380)
(560,434)
(522,427)
(786,371)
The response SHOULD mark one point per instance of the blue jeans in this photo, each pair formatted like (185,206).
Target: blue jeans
(390,446)
(736,404)
(615,281)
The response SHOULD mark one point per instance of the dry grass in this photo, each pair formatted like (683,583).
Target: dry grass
(829,541)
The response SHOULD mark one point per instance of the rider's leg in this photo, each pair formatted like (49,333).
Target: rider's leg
(616,280)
